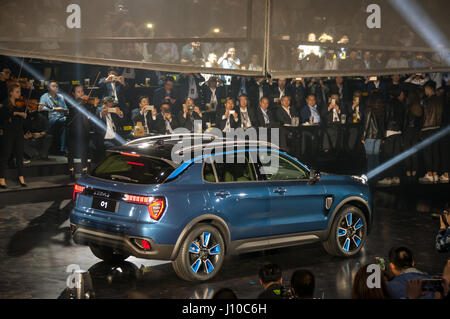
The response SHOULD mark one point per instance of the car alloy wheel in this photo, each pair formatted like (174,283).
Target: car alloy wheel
(204,253)
(350,232)
(201,255)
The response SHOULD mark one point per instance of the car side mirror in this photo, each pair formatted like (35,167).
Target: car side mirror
(314,177)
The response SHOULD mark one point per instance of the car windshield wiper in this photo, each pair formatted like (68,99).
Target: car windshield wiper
(125,178)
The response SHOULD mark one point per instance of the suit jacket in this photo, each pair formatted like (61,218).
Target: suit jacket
(159,96)
(221,94)
(253,92)
(187,122)
(118,122)
(305,113)
(136,116)
(183,83)
(160,124)
(283,117)
(221,123)
(107,90)
(259,119)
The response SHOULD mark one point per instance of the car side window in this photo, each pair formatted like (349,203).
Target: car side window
(281,168)
(208,172)
(235,172)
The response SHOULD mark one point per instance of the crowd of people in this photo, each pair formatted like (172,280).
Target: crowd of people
(376,116)
(399,278)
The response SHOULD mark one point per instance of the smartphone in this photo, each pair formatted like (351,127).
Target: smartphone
(432,285)
(333,101)
(232,112)
(356,99)
(381,263)
(373,78)
(112,110)
(298,79)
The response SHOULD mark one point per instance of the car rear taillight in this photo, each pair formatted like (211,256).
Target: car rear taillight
(77,189)
(156,205)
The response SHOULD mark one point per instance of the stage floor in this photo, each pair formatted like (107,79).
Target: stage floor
(36,249)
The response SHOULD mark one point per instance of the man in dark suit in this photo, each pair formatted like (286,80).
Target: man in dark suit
(212,96)
(280,90)
(144,114)
(165,94)
(285,112)
(111,115)
(189,87)
(257,89)
(341,87)
(166,121)
(263,118)
(191,115)
(284,115)
(228,118)
(115,86)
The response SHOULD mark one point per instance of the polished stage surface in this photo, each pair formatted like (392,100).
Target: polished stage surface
(36,249)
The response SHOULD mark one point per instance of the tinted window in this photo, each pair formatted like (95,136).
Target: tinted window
(235,172)
(208,173)
(135,170)
(287,168)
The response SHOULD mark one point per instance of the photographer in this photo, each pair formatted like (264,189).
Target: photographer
(145,114)
(443,236)
(401,263)
(165,121)
(191,114)
(270,277)
(418,288)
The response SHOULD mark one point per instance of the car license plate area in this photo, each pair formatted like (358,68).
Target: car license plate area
(104,204)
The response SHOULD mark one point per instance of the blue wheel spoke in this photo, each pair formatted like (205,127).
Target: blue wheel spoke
(209,266)
(356,240)
(196,265)
(193,248)
(342,232)
(346,246)
(359,224)
(348,218)
(215,250)
(206,236)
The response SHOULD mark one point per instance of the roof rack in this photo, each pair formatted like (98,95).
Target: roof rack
(174,137)
(228,142)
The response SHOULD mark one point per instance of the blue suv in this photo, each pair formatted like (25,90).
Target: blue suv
(139,202)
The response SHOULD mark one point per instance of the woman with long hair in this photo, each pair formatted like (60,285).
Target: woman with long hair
(361,289)
(11,133)
(373,130)
(78,131)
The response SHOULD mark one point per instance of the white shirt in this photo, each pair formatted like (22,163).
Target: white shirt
(110,128)
(193,94)
(245,119)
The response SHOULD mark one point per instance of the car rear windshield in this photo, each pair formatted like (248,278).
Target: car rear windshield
(134,170)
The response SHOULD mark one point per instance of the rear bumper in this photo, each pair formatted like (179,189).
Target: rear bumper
(84,236)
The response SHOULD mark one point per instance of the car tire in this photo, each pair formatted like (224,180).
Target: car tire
(201,254)
(348,233)
(107,254)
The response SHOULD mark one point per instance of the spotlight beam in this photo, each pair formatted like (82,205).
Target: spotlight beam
(69,99)
(400,157)
(421,22)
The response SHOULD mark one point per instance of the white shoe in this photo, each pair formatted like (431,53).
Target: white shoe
(427,179)
(385,182)
(396,181)
(443,179)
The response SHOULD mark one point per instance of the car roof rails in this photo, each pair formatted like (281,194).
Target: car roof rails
(173,137)
(227,143)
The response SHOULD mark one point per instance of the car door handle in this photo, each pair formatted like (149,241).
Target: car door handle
(280,190)
(222,194)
